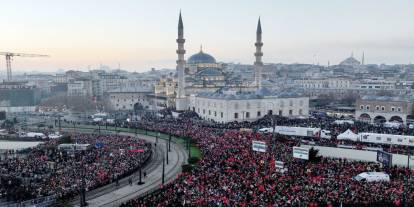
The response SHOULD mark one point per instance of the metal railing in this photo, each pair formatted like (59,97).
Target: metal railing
(38,202)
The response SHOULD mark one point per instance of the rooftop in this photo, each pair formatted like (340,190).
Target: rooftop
(201,57)
(388,98)
(259,94)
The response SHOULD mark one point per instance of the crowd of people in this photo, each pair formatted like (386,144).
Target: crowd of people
(47,170)
(230,173)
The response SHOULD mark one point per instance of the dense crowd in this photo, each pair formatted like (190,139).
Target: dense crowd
(47,170)
(232,174)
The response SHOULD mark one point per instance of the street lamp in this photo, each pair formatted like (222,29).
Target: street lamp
(169,141)
(163,170)
(140,182)
(166,152)
(407,184)
(83,190)
(274,125)
(189,147)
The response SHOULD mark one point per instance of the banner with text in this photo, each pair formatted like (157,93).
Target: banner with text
(384,157)
(301,153)
(259,146)
(279,164)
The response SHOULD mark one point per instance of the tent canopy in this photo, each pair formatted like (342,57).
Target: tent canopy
(348,135)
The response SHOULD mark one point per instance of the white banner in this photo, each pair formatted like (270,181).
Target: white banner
(175,114)
(301,153)
(259,146)
(279,164)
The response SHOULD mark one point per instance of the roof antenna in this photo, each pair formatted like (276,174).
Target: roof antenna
(201,48)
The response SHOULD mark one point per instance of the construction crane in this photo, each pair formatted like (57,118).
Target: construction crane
(10,55)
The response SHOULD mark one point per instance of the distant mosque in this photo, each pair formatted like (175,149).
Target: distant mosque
(351,61)
(202,89)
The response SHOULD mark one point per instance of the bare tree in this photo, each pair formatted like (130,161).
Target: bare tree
(74,103)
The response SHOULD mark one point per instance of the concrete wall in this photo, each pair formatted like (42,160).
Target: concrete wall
(362,155)
(18,109)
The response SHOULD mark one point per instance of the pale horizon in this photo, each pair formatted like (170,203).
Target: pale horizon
(140,35)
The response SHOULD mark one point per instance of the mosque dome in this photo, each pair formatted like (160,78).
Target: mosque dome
(201,57)
(210,72)
(351,61)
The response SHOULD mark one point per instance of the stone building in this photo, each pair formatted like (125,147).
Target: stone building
(120,100)
(380,109)
(231,106)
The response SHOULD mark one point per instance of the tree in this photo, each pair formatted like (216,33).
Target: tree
(65,140)
(74,103)
(313,155)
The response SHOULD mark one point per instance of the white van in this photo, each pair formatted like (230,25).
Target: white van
(266,130)
(372,177)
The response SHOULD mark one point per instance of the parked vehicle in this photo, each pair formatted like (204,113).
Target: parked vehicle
(372,177)
(392,139)
(298,131)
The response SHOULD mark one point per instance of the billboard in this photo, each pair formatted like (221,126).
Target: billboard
(384,157)
(259,146)
(301,153)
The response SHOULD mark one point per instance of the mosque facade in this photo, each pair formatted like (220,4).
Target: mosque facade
(202,88)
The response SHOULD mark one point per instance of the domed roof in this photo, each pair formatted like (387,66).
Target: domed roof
(351,61)
(201,57)
(210,72)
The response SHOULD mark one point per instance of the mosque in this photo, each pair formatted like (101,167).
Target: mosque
(201,87)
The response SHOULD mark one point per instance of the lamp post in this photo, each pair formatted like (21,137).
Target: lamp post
(407,184)
(189,147)
(83,190)
(274,125)
(140,182)
(169,141)
(116,114)
(166,151)
(60,126)
(163,170)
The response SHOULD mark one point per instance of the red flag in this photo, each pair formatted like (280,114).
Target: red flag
(137,151)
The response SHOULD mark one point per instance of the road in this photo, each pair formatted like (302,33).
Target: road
(112,195)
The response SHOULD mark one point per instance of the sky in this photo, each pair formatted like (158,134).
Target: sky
(141,34)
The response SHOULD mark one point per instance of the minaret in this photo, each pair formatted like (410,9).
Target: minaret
(180,66)
(363,58)
(258,64)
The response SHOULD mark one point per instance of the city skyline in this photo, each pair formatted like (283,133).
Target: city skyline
(141,35)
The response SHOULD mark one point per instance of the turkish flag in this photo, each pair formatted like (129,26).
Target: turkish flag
(137,151)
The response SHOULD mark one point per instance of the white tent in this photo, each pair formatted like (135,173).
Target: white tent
(348,135)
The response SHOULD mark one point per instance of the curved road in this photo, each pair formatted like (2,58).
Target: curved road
(111,195)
